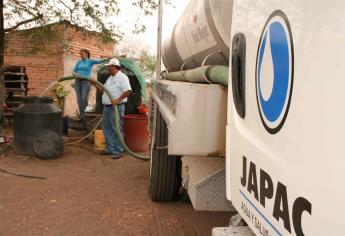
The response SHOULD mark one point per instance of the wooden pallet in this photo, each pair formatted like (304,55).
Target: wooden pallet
(16,82)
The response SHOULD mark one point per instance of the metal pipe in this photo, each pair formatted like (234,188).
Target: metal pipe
(158,73)
(159,39)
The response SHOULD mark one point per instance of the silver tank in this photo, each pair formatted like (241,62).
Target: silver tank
(202,34)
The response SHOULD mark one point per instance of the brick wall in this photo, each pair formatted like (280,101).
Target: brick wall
(77,39)
(46,65)
(42,61)
(56,58)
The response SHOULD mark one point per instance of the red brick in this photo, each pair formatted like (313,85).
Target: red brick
(44,67)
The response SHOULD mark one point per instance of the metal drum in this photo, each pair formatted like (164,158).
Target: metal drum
(201,35)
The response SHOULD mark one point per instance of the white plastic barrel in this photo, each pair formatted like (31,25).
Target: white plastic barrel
(202,34)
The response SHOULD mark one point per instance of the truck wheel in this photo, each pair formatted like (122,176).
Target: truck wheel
(165,176)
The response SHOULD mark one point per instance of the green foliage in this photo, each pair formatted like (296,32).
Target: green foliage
(60,93)
(93,15)
(147,63)
(59,90)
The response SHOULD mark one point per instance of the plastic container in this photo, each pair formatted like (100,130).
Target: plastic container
(99,140)
(136,134)
(142,109)
(36,116)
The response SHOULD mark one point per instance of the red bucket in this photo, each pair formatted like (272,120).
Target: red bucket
(136,132)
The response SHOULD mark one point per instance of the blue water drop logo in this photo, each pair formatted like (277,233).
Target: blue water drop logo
(274,73)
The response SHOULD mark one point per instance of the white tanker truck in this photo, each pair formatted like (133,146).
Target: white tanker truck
(247,114)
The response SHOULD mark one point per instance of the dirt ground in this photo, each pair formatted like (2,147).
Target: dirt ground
(81,196)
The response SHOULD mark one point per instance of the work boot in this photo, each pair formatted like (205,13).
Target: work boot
(116,156)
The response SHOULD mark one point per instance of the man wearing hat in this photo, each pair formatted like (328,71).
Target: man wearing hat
(120,88)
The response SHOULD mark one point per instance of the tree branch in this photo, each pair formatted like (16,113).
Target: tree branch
(40,16)
(70,10)
(26,8)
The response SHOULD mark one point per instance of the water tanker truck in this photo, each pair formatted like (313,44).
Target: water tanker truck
(248,114)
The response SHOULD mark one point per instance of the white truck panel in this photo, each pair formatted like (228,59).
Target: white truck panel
(196,117)
(304,158)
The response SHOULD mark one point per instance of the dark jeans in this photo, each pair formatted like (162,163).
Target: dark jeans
(112,142)
(82,89)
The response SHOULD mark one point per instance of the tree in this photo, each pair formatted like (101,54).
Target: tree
(139,51)
(147,63)
(90,14)
(2,48)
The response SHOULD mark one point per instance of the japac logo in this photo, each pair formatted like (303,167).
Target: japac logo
(275,72)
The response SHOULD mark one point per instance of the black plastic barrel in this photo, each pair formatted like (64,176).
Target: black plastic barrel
(35,117)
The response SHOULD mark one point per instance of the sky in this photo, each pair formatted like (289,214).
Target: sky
(148,40)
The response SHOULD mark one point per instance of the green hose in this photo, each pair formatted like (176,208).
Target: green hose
(117,128)
(203,74)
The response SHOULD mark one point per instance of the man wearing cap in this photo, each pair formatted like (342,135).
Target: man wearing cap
(119,88)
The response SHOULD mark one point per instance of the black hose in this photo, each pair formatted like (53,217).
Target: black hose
(22,175)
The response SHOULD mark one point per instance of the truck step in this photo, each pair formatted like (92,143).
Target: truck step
(232,231)
(204,180)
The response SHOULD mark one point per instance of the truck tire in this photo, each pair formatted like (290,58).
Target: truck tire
(165,175)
